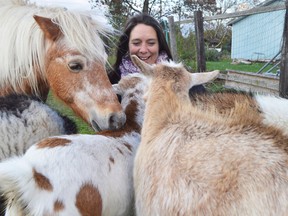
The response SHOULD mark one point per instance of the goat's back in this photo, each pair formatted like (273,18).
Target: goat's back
(202,164)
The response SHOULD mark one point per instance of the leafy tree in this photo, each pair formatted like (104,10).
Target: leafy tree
(217,34)
(120,10)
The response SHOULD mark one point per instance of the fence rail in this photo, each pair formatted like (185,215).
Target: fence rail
(247,81)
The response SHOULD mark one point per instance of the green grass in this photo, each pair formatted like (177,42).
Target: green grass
(82,126)
(223,65)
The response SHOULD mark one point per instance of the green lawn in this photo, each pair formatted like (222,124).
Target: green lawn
(226,64)
(82,126)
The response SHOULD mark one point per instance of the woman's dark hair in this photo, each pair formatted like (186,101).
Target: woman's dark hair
(123,45)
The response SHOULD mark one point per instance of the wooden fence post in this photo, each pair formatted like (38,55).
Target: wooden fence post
(283,83)
(173,44)
(199,30)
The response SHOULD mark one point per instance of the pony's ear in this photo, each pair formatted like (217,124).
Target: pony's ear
(203,77)
(145,68)
(50,29)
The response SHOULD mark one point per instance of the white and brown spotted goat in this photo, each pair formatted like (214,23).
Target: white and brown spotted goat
(198,161)
(79,174)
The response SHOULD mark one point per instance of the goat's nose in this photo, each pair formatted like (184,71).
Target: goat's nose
(116,120)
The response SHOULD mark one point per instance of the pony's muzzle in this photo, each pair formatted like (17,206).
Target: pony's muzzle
(116,120)
(113,121)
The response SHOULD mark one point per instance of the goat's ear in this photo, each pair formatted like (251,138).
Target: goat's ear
(203,77)
(145,68)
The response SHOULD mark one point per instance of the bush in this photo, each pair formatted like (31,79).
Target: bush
(212,55)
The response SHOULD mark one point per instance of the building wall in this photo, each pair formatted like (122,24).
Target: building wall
(258,36)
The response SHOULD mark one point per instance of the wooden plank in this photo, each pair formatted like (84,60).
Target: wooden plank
(283,89)
(252,82)
(200,45)
(173,43)
(255,10)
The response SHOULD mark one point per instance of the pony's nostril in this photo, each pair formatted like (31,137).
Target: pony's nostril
(119,98)
(117,120)
(95,126)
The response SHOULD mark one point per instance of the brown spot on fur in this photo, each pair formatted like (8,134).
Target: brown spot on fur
(242,110)
(42,181)
(53,142)
(224,102)
(130,82)
(129,126)
(120,151)
(112,159)
(89,201)
(128,146)
(247,115)
(58,206)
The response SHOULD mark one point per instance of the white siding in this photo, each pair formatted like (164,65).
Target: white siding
(258,36)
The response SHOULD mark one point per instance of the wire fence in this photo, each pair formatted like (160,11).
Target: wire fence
(257,35)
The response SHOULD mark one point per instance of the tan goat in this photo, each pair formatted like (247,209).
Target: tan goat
(194,161)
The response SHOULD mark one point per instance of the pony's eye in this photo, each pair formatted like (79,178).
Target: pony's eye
(75,66)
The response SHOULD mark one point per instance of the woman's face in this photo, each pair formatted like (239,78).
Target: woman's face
(144,43)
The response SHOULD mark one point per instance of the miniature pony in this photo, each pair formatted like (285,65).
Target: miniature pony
(55,49)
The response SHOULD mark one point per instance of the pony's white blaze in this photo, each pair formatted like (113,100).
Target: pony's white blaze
(53,48)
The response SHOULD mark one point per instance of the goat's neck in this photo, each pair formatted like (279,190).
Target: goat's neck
(162,107)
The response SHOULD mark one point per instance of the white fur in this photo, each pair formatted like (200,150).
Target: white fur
(86,158)
(19,132)
(274,111)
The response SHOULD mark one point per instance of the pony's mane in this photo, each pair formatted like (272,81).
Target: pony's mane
(22,41)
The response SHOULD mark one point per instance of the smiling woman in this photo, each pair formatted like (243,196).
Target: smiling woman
(142,36)
(144,43)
